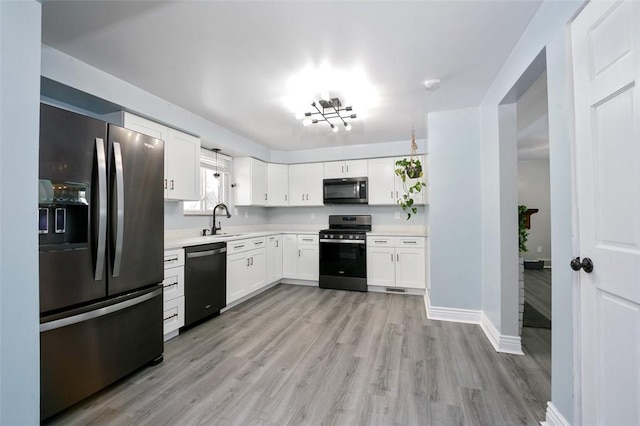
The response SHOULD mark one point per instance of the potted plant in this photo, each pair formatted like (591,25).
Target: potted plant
(410,173)
(523,232)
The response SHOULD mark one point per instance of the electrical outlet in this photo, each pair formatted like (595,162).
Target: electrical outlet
(539,249)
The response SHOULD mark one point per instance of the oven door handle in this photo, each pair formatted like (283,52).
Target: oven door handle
(343,241)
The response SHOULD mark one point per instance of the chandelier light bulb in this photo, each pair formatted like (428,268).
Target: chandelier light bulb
(299,115)
(334,128)
(347,126)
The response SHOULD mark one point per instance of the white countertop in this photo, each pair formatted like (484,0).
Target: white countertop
(177,239)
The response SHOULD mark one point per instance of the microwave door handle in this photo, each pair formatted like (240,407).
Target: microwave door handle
(101,246)
(117,154)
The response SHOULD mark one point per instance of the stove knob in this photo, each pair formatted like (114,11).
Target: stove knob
(351,237)
(341,236)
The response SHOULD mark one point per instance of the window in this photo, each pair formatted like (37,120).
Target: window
(213,189)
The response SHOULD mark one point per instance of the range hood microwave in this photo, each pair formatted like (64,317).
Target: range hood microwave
(345,191)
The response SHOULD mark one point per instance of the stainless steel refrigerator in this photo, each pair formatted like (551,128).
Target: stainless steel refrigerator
(100,224)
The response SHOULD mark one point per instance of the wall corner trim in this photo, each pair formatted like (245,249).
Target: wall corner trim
(554,418)
(501,342)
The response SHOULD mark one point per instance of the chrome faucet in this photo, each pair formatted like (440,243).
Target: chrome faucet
(215,228)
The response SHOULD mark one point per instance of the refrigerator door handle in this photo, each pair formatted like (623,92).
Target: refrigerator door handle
(117,154)
(102,209)
(85,316)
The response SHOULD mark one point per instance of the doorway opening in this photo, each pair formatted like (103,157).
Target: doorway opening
(524,146)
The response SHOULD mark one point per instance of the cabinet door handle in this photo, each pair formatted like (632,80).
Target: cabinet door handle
(307,197)
(251,260)
(165,184)
(265,197)
(170,317)
(396,194)
(238,246)
(347,168)
(170,285)
(409,242)
(391,194)
(397,257)
(302,197)
(171,259)
(172,184)
(392,257)
(248,262)
(277,243)
(380,241)
(299,253)
(285,197)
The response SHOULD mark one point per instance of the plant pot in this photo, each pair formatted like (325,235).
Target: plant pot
(414,171)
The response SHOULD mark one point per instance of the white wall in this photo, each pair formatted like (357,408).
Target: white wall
(548,29)
(454,178)
(19,124)
(534,192)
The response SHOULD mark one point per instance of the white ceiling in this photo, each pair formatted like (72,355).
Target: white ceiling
(232,62)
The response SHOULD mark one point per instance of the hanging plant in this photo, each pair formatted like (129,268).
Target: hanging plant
(410,173)
(523,232)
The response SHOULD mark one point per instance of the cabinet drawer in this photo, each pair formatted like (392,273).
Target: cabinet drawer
(240,246)
(173,258)
(173,314)
(173,283)
(381,241)
(308,239)
(417,242)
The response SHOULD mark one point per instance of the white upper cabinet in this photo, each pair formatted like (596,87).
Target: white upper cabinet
(277,185)
(385,188)
(182,166)
(251,181)
(181,157)
(341,169)
(305,184)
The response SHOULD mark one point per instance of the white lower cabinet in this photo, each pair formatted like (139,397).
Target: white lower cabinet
(396,261)
(246,267)
(173,293)
(301,257)
(274,258)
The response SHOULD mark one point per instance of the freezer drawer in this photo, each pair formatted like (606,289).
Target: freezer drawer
(85,352)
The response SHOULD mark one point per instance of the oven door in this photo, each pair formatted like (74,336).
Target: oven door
(343,264)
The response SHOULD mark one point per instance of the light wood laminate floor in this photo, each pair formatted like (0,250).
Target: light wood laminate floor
(298,355)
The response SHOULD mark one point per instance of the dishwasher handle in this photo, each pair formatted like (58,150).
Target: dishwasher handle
(206,253)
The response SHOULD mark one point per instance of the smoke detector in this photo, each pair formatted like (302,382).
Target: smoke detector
(432,84)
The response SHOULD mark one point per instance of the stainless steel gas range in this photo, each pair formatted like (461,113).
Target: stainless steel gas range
(343,253)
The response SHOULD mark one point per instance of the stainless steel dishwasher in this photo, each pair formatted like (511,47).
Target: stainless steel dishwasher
(205,291)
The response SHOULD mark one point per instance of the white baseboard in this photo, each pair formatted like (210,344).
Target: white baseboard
(500,342)
(467,316)
(554,418)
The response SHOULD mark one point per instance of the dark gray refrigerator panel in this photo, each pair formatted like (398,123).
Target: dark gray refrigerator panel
(136,225)
(84,352)
(71,148)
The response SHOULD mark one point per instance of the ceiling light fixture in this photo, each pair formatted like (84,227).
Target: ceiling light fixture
(331,110)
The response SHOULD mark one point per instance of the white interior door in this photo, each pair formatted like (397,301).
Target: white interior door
(606,39)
